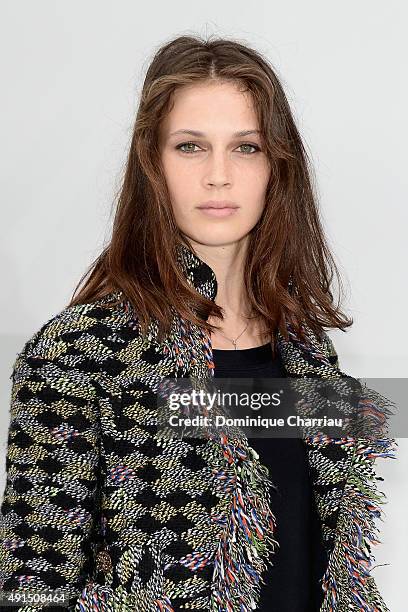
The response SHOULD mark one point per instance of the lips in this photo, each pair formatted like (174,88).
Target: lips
(217,205)
(220,212)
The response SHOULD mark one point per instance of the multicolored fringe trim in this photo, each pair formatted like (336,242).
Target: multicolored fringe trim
(248,535)
(247,539)
(347,582)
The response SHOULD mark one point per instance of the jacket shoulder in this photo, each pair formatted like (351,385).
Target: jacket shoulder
(74,330)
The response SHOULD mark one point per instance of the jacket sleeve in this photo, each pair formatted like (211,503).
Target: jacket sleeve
(49,511)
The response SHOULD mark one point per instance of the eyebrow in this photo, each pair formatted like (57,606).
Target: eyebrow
(199,134)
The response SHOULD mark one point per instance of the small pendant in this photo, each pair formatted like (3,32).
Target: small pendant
(235,344)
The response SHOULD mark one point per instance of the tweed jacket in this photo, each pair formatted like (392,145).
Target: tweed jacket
(98,507)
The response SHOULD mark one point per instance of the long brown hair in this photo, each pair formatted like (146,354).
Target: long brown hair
(289,267)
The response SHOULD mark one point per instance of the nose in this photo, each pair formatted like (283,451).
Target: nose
(217,171)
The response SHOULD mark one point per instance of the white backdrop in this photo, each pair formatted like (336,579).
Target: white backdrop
(71,74)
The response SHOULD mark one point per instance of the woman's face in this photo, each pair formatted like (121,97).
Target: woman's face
(214,163)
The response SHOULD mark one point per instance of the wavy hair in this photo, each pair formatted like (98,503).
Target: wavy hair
(289,267)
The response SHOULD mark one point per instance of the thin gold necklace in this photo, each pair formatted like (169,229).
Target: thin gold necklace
(234,342)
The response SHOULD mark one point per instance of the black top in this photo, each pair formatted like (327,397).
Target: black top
(292,583)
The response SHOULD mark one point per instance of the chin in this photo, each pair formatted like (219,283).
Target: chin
(210,237)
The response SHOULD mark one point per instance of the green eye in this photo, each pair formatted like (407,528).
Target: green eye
(193,144)
(250,145)
(186,144)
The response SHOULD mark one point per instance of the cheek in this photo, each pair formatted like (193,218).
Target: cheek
(179,178)
(253,190)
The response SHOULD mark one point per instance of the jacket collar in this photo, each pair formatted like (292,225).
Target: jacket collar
(299,357)
(199,274)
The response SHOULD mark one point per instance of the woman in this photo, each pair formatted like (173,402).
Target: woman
(216,245)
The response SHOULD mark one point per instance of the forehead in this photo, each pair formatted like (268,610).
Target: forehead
(211,106)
